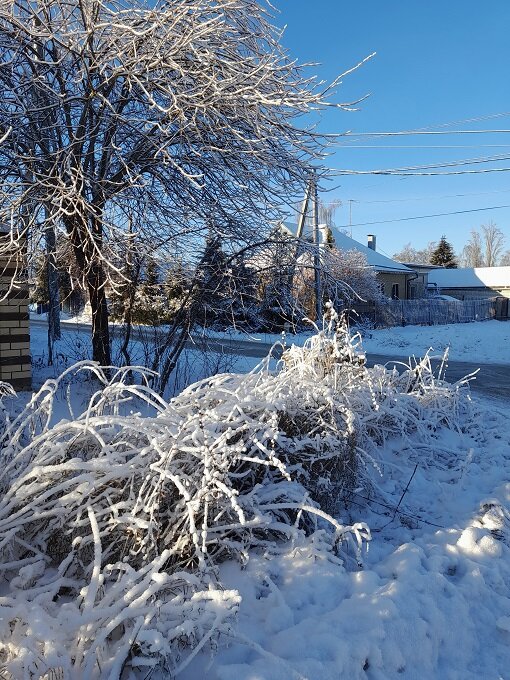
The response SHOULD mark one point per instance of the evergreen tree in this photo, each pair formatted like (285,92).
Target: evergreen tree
(330,239)
(214,283)
(176,282)
(41,294)
(244,302)
(150,302)
(125,285)
(175,288)
(443,255)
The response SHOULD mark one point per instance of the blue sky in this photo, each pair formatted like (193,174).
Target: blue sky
(437,63)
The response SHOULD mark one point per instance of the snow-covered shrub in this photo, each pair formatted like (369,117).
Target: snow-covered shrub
(340,410)
(346,278)
(5,391)
(112,521)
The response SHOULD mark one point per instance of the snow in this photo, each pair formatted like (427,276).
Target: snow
(431,602)
(479,277)
(476,342)
(433,597)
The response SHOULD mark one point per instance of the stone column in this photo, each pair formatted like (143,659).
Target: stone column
(15,365)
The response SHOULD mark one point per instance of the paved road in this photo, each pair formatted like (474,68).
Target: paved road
(492,380)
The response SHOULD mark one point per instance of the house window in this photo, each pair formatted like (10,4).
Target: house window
(413,291)
(394,292)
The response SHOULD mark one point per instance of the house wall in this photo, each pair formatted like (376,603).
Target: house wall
(419,284)
(388,279)
(15,362)
(475,293)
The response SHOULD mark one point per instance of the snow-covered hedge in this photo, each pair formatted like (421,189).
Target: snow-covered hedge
(112,520)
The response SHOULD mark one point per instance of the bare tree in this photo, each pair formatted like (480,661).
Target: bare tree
(483,249)
(412,255)
(505,259)
(346,276)
(162,114)
(472,253)
(494,240)
(327,212)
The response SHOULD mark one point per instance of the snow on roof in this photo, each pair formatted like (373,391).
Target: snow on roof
(480,277)
(379,262)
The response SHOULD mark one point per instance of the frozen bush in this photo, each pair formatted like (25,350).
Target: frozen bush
(112,521)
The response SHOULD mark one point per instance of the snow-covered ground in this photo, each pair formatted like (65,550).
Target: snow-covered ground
(433,598)
(477,341)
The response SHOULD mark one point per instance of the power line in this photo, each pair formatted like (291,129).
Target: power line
(425,146)
(429,198)
(423,217)
(448,164)
(475,119)
(430,128)
(411,173)
(404,133)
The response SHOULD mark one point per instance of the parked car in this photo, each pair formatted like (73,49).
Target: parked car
(448,298)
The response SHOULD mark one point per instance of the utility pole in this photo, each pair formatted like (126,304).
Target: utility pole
(304,209)
(299,233)
(317,252)
(350,216)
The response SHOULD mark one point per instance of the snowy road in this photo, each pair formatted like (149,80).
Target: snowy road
(492,380)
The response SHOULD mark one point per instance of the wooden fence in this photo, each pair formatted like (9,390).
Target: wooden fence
(425,312)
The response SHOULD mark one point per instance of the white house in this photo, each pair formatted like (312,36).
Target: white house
(468,283)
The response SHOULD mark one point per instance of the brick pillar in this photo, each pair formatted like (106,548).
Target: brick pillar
(15,366)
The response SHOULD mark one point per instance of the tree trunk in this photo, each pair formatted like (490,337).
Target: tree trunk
(90,265)
(54,297)
(95,279)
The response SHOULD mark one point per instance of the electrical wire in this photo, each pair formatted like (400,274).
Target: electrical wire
(449,164)
(425,146)
(422,217)
(405,133)
(413,173)
(475,119)
(429,198)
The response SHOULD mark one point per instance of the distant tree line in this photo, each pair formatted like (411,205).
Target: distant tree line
(485,248)
(265,290)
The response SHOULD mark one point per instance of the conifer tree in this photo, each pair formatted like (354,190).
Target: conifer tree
(330,239)
(443,255)
(214,285)
(41,294)
(149,307)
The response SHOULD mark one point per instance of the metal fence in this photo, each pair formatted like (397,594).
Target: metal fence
(426,311)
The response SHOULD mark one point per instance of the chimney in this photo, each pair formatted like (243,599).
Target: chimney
(371,241)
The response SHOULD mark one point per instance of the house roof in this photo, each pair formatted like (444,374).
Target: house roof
(479,277)
(422,267)
(379,262)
